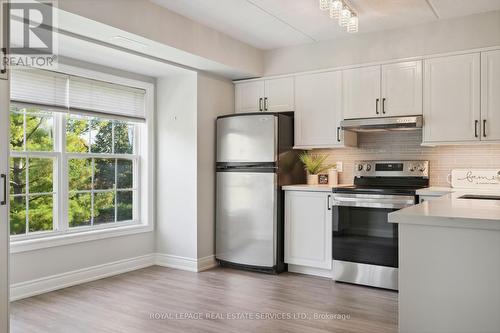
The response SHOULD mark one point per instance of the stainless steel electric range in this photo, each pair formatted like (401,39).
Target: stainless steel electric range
(365,244)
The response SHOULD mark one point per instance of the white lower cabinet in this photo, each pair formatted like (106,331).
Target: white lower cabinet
(308,229)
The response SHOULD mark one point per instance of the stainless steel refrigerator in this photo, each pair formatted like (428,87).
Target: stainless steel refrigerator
(254,159)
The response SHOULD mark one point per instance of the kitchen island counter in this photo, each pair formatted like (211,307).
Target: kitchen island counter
(449,264)
(451,210)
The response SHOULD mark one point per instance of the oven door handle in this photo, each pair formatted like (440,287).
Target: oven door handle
(373,203)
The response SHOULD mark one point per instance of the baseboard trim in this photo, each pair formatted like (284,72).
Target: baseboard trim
(328,273)
(177,262)
(185,263)
(207,263)
(59,281)
(64,280)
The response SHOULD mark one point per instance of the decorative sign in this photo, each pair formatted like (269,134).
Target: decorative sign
(475,178)
(323,179)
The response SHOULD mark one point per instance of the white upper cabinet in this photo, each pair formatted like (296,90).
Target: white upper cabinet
(273,95)
(361,92)
(451,99)
(318,111)
(279,95)
(249,96)
(490,96)
(402,89)
(383,91)
(308,229)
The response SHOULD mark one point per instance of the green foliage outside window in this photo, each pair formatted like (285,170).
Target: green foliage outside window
(100,189)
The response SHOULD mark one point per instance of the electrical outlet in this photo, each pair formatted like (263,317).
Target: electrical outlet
(340,166)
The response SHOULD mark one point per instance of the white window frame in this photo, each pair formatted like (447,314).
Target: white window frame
(144,145)
(55,155)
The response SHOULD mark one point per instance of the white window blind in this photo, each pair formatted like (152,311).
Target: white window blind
(96,96)
(39,87)
(76,94)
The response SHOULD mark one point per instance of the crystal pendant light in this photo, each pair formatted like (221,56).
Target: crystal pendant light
(345,16)
(352,26)
(335,8)
(324,4)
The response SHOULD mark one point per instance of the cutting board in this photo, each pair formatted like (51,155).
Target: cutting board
(475,178)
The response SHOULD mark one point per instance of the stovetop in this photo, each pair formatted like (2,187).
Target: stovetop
(387,190)
(388,177)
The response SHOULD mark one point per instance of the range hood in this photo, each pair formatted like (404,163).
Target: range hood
(382,124)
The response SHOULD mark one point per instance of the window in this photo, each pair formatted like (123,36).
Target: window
(75,161)
(32,168)
(101,159)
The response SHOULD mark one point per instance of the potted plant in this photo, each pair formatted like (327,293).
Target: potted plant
(314,164)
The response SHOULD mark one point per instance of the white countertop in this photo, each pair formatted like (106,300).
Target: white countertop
(311,188)
(435,191)
(442,190)
(451,211)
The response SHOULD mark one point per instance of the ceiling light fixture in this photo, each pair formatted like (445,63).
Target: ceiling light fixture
(341,11)
(353,25)
(335,8)
(324,4)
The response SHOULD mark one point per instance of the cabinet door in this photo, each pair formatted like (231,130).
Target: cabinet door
(402,89)
(318,109)
(308,229)
(490,96)
(451,98)
(249,97)
(4,182)
(361,92)
(4,205)
(279,94)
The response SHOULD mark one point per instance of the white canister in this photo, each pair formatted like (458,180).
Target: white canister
(333,177)
(312,179)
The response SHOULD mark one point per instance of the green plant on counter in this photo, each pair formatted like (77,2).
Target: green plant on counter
(315,163)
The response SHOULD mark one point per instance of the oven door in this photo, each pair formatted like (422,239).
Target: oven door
(361,231)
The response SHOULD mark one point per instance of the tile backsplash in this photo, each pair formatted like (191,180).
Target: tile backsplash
(405,145)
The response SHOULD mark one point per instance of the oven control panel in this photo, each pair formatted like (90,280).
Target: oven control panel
(391,169)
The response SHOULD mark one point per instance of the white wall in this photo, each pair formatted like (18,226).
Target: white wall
(215,98)
(32,265)
(464,33)
(187,108)
(176,122)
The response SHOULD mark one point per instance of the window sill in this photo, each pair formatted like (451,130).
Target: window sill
(61,239)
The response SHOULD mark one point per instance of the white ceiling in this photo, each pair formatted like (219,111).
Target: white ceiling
(269,24)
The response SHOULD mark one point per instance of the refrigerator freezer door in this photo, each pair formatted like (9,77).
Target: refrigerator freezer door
(249,138)
(246,222)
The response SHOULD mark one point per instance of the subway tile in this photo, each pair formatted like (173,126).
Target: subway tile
(406,146)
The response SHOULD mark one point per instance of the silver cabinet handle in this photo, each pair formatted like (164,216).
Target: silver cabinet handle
(484,127)
(338,134)
(4,201)
(328,205)
(476,122)
(260,104)
(376,105)
(266,104)
(383,105)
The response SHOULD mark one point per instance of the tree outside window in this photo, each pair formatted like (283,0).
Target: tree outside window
(99,162)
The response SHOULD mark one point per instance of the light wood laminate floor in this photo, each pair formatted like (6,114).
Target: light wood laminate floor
(125,303)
